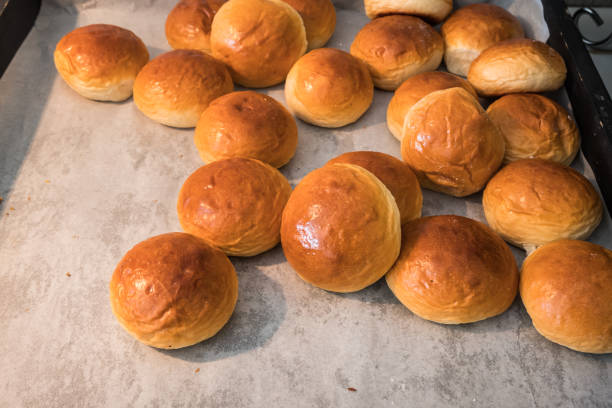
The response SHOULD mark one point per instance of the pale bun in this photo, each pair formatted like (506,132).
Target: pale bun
(188,24)
(431,10)
(319,18)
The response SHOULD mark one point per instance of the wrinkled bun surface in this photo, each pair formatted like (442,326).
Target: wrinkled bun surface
(431,10)
(319,18)
(188,24)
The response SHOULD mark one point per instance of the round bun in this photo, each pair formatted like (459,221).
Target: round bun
(566,287)
(100,61)
(534,126)
(450,143)
(532,202)
(176,87)
(472,29)
(188,24)
(395,175)
(259,40)
(341,228)
(173,291)
(247,124)
(415,88)
(453,270)
(329,88)
(432,10)
(515,66)
(319,18)
(397,47)
(235,205)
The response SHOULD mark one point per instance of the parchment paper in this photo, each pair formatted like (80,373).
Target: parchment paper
(84,181)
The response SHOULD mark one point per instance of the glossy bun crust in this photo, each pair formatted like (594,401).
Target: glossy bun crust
(188,24)
(173,291)
(431,10)
(319,18)
(100,61)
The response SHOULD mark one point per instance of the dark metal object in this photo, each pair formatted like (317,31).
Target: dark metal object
(598,20)
(16,19)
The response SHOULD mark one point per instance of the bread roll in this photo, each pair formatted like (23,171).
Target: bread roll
(173,290)
(100,61)
(515,66)
(246,124)
(566,287)
(474,28)
(341,228)
(453,270)
(534,126)
(319,18)
(259,40)
(176,87)
(413,89)
(188,24)
(397,47)
(329,88)
(431,10)
(395,175)
(532,202)
(235,205)
(450,143)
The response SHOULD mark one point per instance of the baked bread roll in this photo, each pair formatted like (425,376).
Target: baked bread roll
(188,24)
(431,10)
(100,61)
(566,287)
(450,143)
(453,270)
(319,18)
(329,88)
(235,205)
(534,126)
(175,88)
(397,47)
(532,202)
(474,28)
(259,40)
(413,89)
(395,175)
(515,66)
(341,228)
(247,124)
(173,291)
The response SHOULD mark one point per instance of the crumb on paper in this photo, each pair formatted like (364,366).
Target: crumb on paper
(12,208)
(47,181)
(351,389)
(75,236)
(68,274)
(197,370)
(180,156)
(1,199)
(29,198)
(154,201)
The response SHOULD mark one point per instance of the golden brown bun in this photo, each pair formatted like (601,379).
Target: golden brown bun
(472,29)
(395,175)
(329,88)
(534,126)
(235,205)
(397,47)
(188,24)
(341,228)
(413,89)
(515,66)
(259,40)
(431,10)
(173,290)
(450,143)
(566,287)
(532,202)
(319,18)
(246,124)
(175,88)
(453,270)
(100,61)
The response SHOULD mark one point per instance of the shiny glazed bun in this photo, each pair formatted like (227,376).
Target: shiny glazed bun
(100,61)
(474,28)
(319,18)
(234,205)
(173,291)
(453,270)
(566,287)
(175,88)
(515,66)
(413,89)
(397,47)
(341,228)
(395,175)
(247,124)
(450,143)
(259,40)
(431,10)
(329,88)
(188,24)
(534,126)
(532,202)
